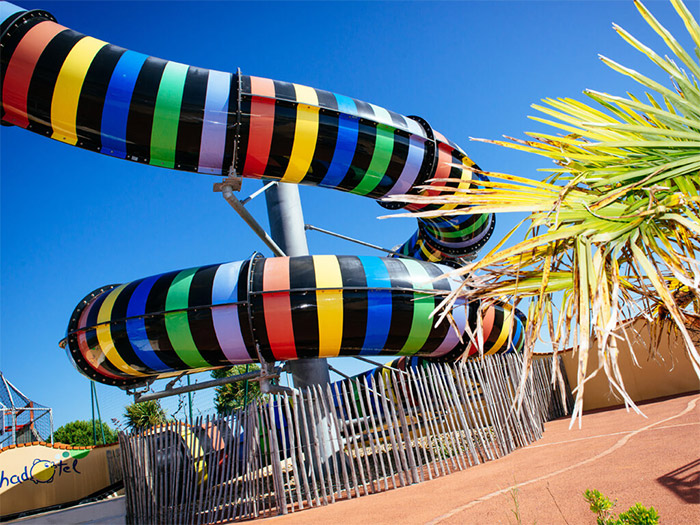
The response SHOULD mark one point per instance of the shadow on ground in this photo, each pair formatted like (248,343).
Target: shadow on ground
(684,482)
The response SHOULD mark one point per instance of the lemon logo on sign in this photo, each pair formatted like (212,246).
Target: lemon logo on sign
(42,471)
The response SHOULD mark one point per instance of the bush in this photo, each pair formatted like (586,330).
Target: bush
(602,507)
(79,433)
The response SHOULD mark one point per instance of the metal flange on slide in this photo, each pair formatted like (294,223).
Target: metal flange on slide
(88,93)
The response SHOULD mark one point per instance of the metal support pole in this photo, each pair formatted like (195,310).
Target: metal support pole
(245,392)
(140,397)
(99,416)
(92,407)
(356,241)
(189,400)
(375,363)
(227,190)
(287,227)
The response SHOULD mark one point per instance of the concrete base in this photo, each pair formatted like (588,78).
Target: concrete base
(107,512)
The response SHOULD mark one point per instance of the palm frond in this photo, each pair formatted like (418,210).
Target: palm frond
(614,232)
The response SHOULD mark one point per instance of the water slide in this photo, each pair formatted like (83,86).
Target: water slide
(88,93)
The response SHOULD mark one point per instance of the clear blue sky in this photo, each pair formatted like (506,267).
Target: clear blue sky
(73,220)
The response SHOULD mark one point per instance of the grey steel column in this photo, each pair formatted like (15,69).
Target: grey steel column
(287,229)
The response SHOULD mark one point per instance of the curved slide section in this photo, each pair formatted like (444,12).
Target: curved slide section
(274,309)
(88,93)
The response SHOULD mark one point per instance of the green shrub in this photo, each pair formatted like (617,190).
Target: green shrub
(79,433)
(602,507)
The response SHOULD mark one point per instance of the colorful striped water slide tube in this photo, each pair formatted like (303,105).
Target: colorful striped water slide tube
(275,309)
(94,95)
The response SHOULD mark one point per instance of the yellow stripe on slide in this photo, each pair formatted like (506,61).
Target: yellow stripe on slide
(329,303)
(305,135)
(66,93)
(104,337)
(429,255)
(505,331)
(466,178)
(195,447)
(306,95)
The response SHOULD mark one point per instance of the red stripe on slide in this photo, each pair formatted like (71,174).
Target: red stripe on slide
(444,167)
(19,72)
(262,120)
(277,308)
(487,326)
(442,171)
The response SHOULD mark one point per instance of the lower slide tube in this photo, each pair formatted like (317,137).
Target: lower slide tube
(273,310)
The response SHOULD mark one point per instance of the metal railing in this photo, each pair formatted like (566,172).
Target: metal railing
(292,451)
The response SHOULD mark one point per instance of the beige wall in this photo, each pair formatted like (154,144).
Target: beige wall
(41,475)
(668,372)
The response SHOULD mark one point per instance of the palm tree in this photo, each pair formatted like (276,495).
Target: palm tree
(234,396)
(614,231)
(144,415)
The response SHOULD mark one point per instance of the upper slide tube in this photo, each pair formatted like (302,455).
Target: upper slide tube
(88,93)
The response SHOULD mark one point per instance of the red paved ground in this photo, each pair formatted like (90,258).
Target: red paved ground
(654,460)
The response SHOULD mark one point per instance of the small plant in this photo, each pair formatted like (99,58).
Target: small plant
(602,507)
(514,493)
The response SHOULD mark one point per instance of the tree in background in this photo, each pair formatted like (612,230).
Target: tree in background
(145,414)
(79,433)
(232,396)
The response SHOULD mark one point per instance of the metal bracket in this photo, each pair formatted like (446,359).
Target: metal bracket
(232,181)
(266,387)
(138,390)
(227,187)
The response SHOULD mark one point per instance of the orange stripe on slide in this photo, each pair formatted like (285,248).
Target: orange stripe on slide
(487,323)
(442,171)
(487,326)
(20,70)
(262,87)
(443,167)
(262,120)
(277,308)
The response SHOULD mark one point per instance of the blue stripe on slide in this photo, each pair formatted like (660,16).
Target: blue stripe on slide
(213,143)
(7,10)
(378,305)
(225,287)
(516,335)
(136,328)
(348,130)
(117,103)
(346,104)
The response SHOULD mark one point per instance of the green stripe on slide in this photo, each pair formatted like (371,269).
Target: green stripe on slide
(177,324)
(166,115)
(423,305)
(383,148)
(463,232)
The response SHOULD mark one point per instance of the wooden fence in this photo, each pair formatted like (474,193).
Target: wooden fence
(345,440)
